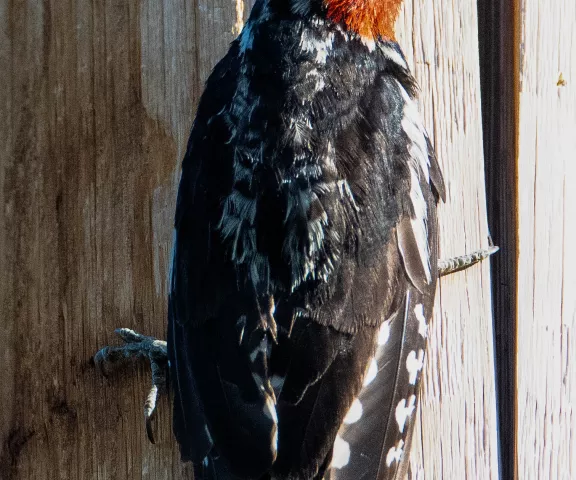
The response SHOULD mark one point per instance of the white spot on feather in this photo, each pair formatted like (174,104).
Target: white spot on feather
(395,453)
(414,364)
(354,414)
(371,373)
(414,128)
(320,83)
(419,222)
(384,333)
(392,55)
(321,47)
(369,43)
(341,455)
(422,325)
(404,410)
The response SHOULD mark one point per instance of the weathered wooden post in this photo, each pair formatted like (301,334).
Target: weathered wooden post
(458,409)
(546,297)
(97,102)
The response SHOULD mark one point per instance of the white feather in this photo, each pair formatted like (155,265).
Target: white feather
(414,364)
(422,325)
(321,47)
(384,333)
(395,453)
(420,222)
(341,455)
(403,410)
(355,413)
(371,373)
(391,54)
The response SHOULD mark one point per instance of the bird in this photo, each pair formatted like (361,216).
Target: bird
(305,258)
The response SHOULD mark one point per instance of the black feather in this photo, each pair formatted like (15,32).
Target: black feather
(305,219)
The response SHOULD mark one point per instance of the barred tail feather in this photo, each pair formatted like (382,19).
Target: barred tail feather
(378,426)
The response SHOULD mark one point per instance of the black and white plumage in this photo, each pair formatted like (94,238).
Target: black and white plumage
(305,256)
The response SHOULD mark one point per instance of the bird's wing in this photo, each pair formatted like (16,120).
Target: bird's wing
(217,338)
(374,439)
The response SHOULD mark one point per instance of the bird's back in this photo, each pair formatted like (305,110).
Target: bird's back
(305,257)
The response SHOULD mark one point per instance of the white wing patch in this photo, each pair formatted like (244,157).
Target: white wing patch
(395,453)
(341,455)
(393,55)
(384,333)
(422,325)
(372,372)
(414,127)
(414,364)
(419,164)
(419,222)
(354,414)
(404,410)
(320,83)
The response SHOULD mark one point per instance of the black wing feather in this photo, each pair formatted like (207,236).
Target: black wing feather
(295,240)
(219,406)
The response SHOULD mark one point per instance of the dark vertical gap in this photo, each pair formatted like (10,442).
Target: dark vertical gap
(499,78)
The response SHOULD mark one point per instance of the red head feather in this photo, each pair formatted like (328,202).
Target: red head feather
(368,18)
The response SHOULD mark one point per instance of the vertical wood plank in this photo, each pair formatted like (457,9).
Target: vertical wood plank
(97,102)
(546,212)
(456,436)
(97,112)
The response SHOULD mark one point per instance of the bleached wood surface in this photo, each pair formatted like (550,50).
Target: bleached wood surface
(546,443)
(456,438)
(97,101)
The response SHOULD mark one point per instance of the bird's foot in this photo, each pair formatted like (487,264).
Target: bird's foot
(136,347)
(456,264)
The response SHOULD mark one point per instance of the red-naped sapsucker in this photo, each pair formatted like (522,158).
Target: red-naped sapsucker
(305,256)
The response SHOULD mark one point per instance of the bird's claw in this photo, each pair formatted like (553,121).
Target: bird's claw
(138,346)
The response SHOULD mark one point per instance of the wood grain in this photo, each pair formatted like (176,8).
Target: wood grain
(97,102)
(547,258)
(457,434)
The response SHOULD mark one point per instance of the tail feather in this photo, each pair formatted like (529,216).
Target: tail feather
(189,423)
(309,423)
(379,425)
(215,467)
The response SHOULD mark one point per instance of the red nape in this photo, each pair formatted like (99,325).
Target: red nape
(368,18)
